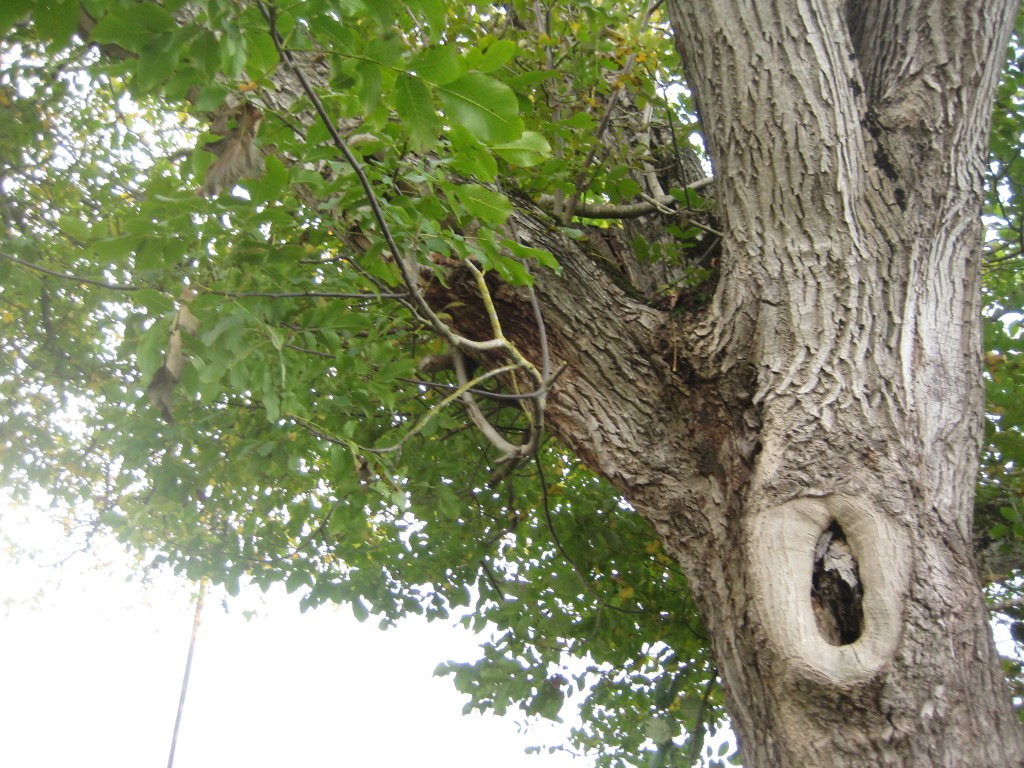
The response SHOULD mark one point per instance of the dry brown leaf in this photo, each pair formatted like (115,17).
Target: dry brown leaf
(237,156)
(161,388)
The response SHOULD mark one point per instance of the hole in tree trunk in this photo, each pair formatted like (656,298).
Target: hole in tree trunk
(836,589)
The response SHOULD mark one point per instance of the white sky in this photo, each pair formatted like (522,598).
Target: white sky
(91,665)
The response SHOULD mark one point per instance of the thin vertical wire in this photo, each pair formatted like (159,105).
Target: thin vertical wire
(188,668)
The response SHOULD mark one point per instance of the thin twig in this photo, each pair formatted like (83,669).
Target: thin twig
(626,210)
(75,278)
(497,440)
(589,587)
(129,287)
(700,715)
(1003,605)
(503,396)
(305,351)
(303,295)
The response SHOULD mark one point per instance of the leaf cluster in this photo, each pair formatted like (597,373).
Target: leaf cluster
(308,444)
(302,444)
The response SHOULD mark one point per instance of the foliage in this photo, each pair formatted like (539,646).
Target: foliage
(166,184)
(1000,506)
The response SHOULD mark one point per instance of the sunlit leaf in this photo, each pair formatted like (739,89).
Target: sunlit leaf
(529,149)
(497,55)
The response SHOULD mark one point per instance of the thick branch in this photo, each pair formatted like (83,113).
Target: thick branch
(663,204)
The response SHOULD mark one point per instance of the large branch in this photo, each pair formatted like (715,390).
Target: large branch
(629,401)
(626,379)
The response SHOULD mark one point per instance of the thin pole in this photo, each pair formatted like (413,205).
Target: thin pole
(188,669)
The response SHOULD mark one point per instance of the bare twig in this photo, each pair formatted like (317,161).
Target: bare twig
(613,102)
(303,295)
(461,393)
(1003,605)
(126,287)
(705,699)
(501,396)
(660,204)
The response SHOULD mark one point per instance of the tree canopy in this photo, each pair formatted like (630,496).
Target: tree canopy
(226,319)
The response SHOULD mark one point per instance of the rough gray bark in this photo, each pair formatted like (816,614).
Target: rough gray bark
(850,282)
(834,379)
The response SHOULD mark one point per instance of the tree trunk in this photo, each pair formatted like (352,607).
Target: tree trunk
(849,154)
(829,403)
(822,418)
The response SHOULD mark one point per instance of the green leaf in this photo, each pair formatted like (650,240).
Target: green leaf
(351,7)
(470,157)
(73,226)
(155,302)
(438,66)
(529,149)
(210,96)
(486,107)
(488,206)
(295,580)
(658,730)
(416,108)
(262,54)
(386,51)
(205,53)
(231,584)
(539,255)
(272,185)
(232,56)
(273,405)
(369,85)
(11,12)
(133,26)
(436,13)
(150,351)
(497,55)
(359,610)
(56,20)
(581,121)
(383,11)
(340,36)
(155,64)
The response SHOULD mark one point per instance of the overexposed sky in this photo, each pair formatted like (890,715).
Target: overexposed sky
(91,666)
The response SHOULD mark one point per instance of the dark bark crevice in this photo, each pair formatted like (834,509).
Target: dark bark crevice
(836,590)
